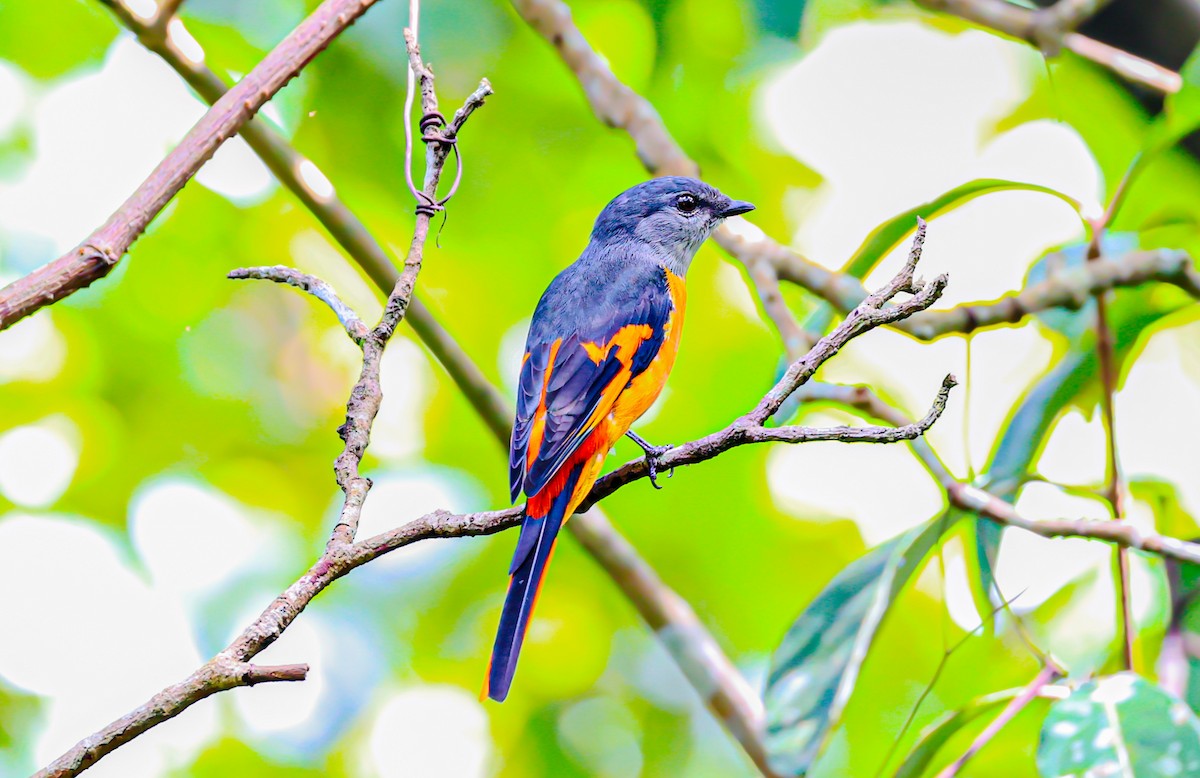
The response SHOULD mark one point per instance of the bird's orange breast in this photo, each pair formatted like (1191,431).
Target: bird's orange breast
(645,388)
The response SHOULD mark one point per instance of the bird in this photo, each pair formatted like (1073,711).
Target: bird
(602,340)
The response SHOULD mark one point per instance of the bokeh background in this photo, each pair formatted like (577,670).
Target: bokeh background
(166,437)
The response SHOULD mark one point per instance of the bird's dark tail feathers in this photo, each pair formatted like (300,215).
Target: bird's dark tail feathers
(535,546)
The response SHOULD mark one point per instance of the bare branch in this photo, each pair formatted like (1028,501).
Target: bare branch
(1048,675)
(1068,288)
(96,256)
(1120,533)
(219,674)
(253,674)
(1052,28)
(281,274)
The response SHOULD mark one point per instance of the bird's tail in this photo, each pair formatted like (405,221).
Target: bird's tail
(535,546)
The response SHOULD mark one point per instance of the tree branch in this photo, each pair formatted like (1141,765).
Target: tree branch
(1068,288)
(319,289)
(96,256)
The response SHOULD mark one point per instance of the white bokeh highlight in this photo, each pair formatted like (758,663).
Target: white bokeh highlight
(38,461)
(193,539)
(94,640)
(13,95)
(32,350)
(432,731)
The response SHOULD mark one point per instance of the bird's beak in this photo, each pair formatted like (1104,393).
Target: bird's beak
(735,208)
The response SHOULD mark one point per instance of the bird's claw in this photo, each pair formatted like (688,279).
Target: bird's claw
(652,455)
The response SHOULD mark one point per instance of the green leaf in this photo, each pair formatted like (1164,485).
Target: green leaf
(880,242)
(892,232)
(1119,725)
(937,734)
(815,668)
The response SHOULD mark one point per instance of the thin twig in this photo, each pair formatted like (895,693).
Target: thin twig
(319,289)
(745,431)
(1114,490)
(1048,675)
(1044,29)
(99,253)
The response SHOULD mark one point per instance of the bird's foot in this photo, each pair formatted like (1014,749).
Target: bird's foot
(653,453)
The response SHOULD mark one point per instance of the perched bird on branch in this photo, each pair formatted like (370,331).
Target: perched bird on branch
(601,343)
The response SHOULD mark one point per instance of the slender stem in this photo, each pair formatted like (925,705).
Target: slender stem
(1048,675)
(1114,489)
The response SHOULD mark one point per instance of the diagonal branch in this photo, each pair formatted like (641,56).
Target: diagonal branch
(319,289)
(1046,676)
(983,503)
(1052,28)
(99,253)
(744,431)
(1068,288)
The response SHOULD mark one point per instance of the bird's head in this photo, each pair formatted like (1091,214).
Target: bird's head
(670,216)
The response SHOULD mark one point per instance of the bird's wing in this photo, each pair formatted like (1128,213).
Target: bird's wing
(570,382)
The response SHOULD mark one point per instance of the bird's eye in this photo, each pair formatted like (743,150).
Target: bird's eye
(686,203)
